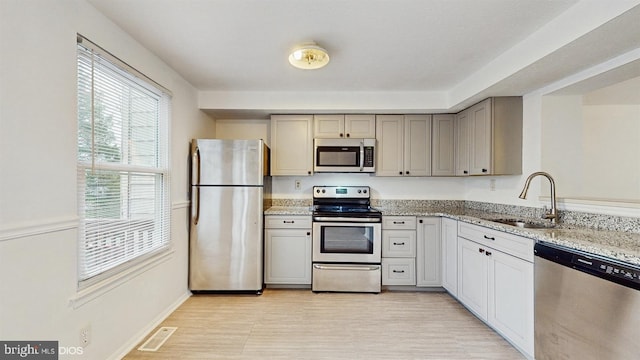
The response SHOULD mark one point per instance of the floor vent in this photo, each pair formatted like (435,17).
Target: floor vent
(156,340)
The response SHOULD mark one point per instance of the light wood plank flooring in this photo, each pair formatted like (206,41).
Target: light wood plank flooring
(300,324)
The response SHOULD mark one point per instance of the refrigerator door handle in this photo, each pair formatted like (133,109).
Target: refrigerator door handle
(195,160)
(196,198)
(196,189)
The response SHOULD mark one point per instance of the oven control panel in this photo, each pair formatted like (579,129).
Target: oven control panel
(341,192)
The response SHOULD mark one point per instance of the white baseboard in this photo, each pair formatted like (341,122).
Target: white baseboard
(144,332)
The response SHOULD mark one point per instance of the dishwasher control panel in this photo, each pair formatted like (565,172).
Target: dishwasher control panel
(606,267)
(596,265)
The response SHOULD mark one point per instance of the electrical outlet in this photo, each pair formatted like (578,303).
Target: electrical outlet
(492,184)
(85,335)
(298,185)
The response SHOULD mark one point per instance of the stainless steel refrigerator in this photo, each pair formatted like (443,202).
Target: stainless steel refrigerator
(230,188)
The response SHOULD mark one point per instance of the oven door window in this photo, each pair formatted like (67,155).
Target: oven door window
(338,156)
(347,239)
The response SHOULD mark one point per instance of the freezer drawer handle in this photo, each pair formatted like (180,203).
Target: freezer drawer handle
(398,271)
(489,237)
(354,267)
(289,221)
(397,243)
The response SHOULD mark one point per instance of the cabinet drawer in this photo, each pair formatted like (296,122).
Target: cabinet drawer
(511,244)
(399,222)
(287,222)
(398,271)
(398,243)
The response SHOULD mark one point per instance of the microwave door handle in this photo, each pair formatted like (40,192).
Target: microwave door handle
(361,155)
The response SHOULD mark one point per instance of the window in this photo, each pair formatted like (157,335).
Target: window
(123,174)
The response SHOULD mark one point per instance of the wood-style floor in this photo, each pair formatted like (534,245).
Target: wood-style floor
(300,324)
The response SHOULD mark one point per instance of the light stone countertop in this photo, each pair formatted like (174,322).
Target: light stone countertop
(619,245)
(288,210)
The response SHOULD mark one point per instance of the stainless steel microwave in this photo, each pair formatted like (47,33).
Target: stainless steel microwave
(344,155)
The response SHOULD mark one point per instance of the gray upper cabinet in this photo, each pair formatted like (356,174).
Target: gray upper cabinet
(336,126)
(489,137)
(291,145)
(461,127)
(443,145)
(404,145)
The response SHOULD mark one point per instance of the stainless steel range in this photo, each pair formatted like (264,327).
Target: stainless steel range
(346,240)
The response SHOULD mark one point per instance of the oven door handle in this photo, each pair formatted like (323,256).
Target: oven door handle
(354,220)
(347,267)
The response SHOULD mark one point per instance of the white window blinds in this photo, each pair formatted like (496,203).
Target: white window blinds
(123,174)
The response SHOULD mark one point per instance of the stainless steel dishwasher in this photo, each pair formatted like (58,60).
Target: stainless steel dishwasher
(586,306)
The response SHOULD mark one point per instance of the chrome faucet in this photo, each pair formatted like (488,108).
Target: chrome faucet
(553,212)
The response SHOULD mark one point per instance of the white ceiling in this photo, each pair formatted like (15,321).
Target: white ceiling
(374,45)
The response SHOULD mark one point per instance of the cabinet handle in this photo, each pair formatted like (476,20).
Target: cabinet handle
(308,233)
(465,172)
(398,222)
(489,238)
(407,173)
(398,271)
(488,253)
(481,250)
(289,221)
(395,243)
(400,173)
(484,170)
(348,135)
(420,221)
(341,135)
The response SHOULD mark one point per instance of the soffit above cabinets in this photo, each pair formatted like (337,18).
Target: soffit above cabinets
(441,55)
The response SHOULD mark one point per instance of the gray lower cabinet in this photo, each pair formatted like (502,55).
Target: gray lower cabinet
(495,281)
(398,250)
(428,259)
(449,247)
(287,250)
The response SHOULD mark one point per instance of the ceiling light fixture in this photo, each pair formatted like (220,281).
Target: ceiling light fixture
(309,56)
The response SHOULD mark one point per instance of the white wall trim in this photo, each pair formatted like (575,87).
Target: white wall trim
(598,206)
(34,228)
(51,225)
(136,339)
(94,291)
(180,204)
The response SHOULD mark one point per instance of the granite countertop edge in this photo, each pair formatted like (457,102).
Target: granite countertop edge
(618,245)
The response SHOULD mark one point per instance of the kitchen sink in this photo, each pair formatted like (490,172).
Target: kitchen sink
(525,223)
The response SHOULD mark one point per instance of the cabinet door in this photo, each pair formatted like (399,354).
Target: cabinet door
(360,126)
(449,236)
(428,252)
(417,145)
(291,145)
(328,126)
(398,271)
(389,152)
(472,277)
(287,256)
(462,127)
(443,149)
(510,303)
(481,138)
(398,243)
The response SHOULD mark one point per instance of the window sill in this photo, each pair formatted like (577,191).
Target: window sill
(98,289)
